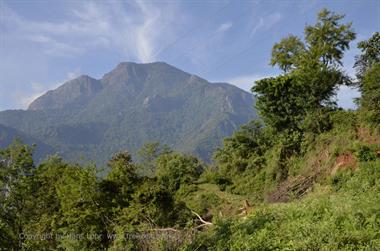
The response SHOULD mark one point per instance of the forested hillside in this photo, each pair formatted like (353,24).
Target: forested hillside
(90,119)
(303,177)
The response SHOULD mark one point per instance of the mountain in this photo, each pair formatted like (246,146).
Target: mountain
(131,105)
(7,135)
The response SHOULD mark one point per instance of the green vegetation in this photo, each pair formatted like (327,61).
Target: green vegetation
(347,219)
(305,177)
(92,119)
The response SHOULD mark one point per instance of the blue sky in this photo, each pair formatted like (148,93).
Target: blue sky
(45,43)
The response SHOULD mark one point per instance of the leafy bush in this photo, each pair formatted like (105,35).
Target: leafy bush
(175,169)
(339,179)
(323,221)
(366,153)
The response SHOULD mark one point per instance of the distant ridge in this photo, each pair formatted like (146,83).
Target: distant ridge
(132,104)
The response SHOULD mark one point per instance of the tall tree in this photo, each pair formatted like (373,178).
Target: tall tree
(244,150)
(312,73)
(367,66)
(325,42)
(148,154)
(175,169)
(370,55)
(286,53)
(16,203)
(328,38)
(311,76)
(370,100)
(122,180)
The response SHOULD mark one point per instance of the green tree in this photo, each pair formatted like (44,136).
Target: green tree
(16,203)
(328,38)
(122,180)
(370,100)
(370,55)
(312,73)
(148,154)
(175,169)
(311,77)
(83,225)
(325,42)
(367,66)
(286,53)
(244,150)
(281,101)
(47,214)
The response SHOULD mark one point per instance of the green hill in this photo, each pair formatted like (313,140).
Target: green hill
(131,105)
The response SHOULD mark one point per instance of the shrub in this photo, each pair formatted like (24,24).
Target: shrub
(366,153)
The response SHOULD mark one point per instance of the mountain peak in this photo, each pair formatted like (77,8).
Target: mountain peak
(125,66)
(73,92)
(129,63)
(158,65)
(132,104)
(137,75)
(83,77)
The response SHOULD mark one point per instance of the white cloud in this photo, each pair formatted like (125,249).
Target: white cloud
(137,29)
(40,39)
(224,27)
(272,19)
(24,102)
(246,82)
(265,23)
(345,94)
(73,74)
(23,99)
(256,27)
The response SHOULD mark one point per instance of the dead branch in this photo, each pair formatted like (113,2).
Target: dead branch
(165,229)
(202,220)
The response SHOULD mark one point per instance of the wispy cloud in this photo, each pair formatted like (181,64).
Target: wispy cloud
(224,27)
(246,82)
(134,28)
(256,27)
(265,23)
(23,99)
(345,94)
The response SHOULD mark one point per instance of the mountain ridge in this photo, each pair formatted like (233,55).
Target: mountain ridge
(132,104)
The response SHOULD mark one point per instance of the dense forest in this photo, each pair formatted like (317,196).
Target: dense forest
(303,177)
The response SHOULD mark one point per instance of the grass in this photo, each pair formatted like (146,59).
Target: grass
(208,199)
(328,218)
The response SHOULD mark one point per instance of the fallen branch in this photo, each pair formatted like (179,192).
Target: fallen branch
(202,220)
(170,229)
(165,229)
